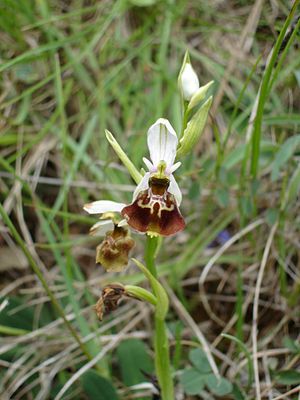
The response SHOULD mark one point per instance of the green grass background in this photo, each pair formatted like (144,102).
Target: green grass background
(69,69)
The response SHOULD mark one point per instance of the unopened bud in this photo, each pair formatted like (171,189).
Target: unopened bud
(188,79)
(189,82)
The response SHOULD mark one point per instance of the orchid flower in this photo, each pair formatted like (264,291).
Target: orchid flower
(155,205)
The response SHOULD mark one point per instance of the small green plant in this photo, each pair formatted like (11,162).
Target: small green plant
(199,376)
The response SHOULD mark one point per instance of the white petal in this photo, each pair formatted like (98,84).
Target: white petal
(102,206)
(162,142)
(149,165)
(101,227)
(143,185)
(189,82)
(174,189)
(174,167)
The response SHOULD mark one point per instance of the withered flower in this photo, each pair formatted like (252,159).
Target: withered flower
(114,250)
(109,300)
(113,293)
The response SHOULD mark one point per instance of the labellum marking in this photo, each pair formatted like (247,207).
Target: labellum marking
(155,209)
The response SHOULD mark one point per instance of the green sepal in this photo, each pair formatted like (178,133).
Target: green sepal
(136,176)
(199,96)
(194,129)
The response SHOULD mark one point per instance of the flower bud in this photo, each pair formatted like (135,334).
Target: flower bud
(189,82)
(188,79)
(113,252)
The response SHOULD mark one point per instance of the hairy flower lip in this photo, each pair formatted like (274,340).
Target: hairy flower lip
(155,210)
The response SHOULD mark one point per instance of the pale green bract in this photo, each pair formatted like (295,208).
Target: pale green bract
(141,294)
(194,129)
(199,96)
(136,176)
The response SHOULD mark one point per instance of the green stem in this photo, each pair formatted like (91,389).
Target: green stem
(162,359)
(150,252)
(161,341)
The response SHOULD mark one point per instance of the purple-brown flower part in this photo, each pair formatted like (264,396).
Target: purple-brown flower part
(155,210)
(113,252)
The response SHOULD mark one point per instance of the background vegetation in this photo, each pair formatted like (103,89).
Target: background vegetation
(70,69)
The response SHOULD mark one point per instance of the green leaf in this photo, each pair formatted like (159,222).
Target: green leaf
(194,191)
(284,154)
(288,377)
(22,319)
(8,330)
(97,388)
(272,215)
(293,188)
(237,393)
(247,354)
(220,387)
(222,197)
(199,360)
(246,205)
(291,344)
(133,359)
(192,381)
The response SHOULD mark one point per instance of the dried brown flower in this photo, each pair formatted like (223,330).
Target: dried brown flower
(109,300)
(113,252)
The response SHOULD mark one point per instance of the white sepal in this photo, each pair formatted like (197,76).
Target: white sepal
(102,206)
(162,142)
